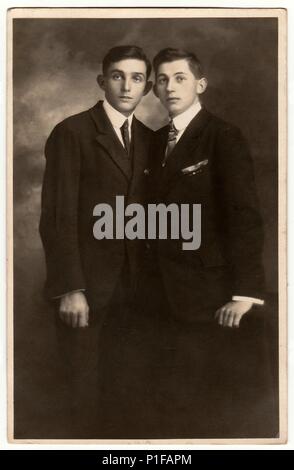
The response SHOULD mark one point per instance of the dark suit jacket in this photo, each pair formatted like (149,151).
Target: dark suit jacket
(86,165)
(228,261)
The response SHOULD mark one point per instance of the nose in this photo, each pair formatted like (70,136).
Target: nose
(126,84)
(170,86)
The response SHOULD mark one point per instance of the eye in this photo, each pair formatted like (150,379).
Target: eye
(161,80)
(116,76)
(138,78)
(180,79)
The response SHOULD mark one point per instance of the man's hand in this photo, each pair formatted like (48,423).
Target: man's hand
(231,313)
(74,310)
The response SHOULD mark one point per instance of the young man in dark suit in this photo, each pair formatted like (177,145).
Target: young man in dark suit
(211,386)
(91,158)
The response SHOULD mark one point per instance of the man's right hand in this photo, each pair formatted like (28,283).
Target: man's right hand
(74,310)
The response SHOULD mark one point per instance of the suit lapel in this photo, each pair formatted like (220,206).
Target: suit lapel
(140,152)
(107,138)
(187,151)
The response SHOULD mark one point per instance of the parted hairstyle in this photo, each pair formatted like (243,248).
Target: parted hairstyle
(125,52)
(170,55)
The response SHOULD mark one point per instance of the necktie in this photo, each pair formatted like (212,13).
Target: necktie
(125,135)
(171,141)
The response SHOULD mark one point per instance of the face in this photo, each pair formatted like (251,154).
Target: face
(177,87)
(125,83)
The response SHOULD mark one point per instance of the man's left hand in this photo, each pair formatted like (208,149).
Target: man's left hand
(231,313)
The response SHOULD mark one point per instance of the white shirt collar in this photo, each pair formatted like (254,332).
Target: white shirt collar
(116,118)
(183,120)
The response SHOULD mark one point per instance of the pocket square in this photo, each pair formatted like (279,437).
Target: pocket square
(194,168)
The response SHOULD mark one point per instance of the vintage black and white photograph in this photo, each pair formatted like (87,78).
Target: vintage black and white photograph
(146,189)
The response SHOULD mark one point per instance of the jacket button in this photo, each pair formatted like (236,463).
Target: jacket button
(146,171)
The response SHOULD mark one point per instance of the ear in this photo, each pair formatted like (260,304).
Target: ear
(101,81)
(148,87)
(155,90)
(201,85)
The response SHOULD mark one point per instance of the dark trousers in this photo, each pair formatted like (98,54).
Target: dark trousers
(202,380)
(214,382)
(88,365)
(136,372)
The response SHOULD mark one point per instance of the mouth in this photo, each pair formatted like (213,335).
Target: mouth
(172,100)
(125,98)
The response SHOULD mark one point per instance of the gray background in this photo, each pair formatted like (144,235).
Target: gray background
(55,63)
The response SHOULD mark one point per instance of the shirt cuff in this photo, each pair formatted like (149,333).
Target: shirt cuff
(241,298)
(66,293)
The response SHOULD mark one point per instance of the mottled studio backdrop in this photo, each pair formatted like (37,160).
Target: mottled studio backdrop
(55,64)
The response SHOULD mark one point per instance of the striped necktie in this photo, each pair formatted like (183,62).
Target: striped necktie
(171,141)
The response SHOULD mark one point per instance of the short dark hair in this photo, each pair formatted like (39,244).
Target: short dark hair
(125,52)
(169,55)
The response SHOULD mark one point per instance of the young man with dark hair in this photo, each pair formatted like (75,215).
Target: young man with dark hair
(91,158)
(211,386)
